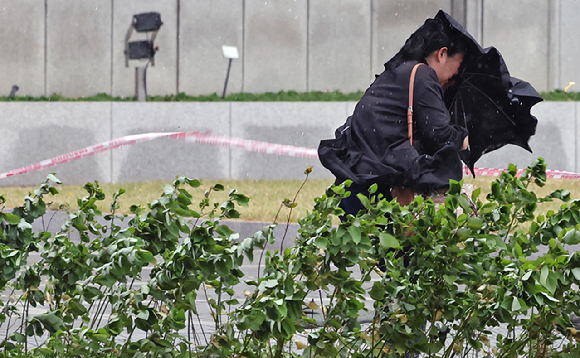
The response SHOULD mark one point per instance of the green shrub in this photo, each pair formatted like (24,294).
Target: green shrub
(282,96)
(290,96)
(474,266)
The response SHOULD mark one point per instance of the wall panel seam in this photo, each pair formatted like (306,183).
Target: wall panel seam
(45,47)
(177,46)
(308,45)
(112,46)
(229,135)
(243,45)
(371,39)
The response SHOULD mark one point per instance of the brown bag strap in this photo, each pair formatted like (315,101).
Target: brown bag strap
(410,108)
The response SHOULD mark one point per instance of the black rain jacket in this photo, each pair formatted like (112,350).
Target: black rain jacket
(372,146)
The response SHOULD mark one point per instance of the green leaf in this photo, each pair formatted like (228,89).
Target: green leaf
(23,225)
(364,200)
(464,203)
(450,279)
(171,226)
(544,275)
(455,187)
(79,224)
(18,337)
(168,189)
(549,297)
(516,306)
(53,178)
(11,218)
(224,230)
(194,183)
(265,284)
(388,241)
(321,242)
(576,273)
(552,282)
(50,321)
(145,257)
(572,237)
(355,234)
(377,292)
(475,223)
(463,232)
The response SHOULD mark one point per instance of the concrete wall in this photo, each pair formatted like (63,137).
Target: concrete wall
(75,48)
(22,41)
(524,32)
(37,131)
(78,47)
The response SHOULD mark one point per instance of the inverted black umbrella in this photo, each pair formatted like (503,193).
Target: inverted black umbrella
(492,105)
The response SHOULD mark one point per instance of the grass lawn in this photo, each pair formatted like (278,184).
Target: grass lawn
(266,196)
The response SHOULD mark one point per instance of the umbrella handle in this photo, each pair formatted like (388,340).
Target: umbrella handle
(410,108)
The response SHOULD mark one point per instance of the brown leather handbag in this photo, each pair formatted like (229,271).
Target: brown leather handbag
(403,195)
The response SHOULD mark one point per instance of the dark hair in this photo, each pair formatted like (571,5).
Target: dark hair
(430,37)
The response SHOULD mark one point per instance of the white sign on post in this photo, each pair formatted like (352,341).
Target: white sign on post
(230,51)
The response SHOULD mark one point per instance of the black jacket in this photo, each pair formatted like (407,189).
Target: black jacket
(372,146)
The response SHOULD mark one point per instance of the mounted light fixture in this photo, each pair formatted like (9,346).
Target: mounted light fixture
(148,23)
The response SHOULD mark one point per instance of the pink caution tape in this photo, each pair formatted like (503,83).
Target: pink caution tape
(229,142)
(198,137)
(550,173)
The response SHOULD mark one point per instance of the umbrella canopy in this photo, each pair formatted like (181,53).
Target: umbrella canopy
(492,105)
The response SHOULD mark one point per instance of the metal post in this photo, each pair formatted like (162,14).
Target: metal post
(227,76)
(141,84)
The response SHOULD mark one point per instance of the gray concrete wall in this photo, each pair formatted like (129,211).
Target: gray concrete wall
(521,37)
(78,47)
(339,38)
(395,21)
(75,48)
(275,46)
(566,47)
(37,131)
(204,27)
(300,124)
(22,43)
(166,158)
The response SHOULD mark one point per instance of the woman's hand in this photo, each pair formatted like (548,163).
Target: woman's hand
(465,143)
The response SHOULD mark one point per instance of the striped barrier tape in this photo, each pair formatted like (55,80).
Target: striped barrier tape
(229,142)
(198,137)
(550,173)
